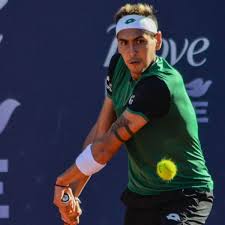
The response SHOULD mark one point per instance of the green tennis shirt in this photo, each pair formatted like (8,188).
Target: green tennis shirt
(173,136)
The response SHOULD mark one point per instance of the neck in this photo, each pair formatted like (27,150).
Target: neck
(135,76)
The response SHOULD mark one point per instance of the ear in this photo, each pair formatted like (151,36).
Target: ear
(118,47)
(158,38)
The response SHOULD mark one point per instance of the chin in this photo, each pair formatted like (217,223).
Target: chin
(136,70)
(135,73)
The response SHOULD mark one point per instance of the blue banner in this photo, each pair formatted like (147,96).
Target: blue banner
(53,61)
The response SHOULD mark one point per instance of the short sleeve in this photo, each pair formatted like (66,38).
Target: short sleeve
(108,80)
(150,98)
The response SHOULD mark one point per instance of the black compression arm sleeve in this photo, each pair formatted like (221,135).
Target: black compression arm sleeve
(150,97)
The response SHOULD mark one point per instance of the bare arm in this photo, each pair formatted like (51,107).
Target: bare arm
(105,119)
(105,147)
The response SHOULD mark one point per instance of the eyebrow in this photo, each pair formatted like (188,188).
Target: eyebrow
(122,39)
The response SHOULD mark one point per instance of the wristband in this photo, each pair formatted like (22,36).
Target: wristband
(86,162)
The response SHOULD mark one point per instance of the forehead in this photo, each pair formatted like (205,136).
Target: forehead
(129,34)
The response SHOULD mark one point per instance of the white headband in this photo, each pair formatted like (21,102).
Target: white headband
(136,22)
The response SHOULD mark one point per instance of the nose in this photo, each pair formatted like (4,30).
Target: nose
(132,50)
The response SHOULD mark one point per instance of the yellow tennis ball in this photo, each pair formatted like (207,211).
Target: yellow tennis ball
(166,169)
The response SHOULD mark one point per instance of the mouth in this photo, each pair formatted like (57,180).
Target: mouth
(134,62)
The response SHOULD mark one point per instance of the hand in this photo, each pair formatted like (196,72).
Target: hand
(69,210)
(70,214)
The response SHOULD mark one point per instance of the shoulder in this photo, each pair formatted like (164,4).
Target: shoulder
(108,82)
(166,73)
(151,97)
(112,64)
(151,84)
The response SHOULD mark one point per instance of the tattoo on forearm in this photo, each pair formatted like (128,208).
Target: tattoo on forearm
(121,122)
(129,131)
(118,136)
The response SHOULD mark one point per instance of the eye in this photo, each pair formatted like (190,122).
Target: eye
(122,42)
(140,41)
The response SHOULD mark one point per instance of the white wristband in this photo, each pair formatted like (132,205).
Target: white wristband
(86,162)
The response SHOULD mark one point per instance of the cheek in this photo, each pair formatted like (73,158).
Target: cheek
(151,49)
(148,52)
(147,55)
(119,49)
(122,53)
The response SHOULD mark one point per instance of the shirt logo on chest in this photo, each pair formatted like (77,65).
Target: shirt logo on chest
(173,216)
(131,99)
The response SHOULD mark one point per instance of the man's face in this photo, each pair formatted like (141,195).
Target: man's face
(138,49)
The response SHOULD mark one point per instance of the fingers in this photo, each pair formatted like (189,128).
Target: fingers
(71,212)
(58,195)
(78,209)
(71,219)
(65,218)
(71,223)
(76,221)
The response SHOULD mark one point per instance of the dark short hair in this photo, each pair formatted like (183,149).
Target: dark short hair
(141,9)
